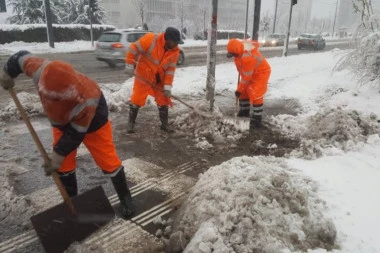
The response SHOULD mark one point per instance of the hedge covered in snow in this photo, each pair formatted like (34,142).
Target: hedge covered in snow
(38,33)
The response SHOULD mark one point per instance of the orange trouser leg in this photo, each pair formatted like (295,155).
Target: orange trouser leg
(244,94)
(70,163)
(140,93)
(160,98)
(100,145)
(258,88)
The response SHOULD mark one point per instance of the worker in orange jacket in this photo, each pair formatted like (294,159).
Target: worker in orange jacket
(78,113)
(152,60)
(254,73)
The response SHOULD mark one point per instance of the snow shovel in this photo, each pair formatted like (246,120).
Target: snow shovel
(76,218)
(196,110)
(241,123)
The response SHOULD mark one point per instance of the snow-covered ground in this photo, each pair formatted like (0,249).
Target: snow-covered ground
(80,45)
(322,196)
(74,46)
(245,204)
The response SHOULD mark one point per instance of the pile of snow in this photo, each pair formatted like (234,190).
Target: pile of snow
(30,102)
(117,95)
(209,128)
(269,209)
(13,27)
(43,48)
(329,129)
(15,210)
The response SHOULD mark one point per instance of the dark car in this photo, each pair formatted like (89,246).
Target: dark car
(273,40)
(311,41)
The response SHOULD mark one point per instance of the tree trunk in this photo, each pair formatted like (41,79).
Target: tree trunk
(211,56)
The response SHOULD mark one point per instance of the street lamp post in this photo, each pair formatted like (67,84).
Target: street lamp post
(256,20)
(285,50)
(336,13)
(275,17)
(49,25)
(246,20)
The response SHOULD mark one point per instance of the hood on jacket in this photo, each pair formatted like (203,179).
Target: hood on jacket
(235,46)
(58,81)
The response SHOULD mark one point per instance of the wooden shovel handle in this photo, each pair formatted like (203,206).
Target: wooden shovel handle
(42,150)
(181,101)
(172,96)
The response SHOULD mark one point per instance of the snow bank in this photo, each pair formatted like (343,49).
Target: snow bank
(15,210)
(209,128)
(30,102)
(269,209)
(327,132)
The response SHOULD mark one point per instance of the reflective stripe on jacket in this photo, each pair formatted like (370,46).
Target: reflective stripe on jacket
(72,101)
(250,65)
(154,63)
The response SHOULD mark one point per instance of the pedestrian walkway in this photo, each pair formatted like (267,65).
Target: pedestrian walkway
(153,202)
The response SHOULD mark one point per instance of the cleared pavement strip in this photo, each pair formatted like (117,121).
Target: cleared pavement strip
(150,183)
(122,230)
(18,242)
(143,219)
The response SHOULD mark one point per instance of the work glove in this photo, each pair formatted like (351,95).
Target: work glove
(55,163)
(129,70)
(12,66)
(167,93)
(237,94)
(6,81)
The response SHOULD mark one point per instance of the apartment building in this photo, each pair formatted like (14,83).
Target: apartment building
(121,13)
(193,14)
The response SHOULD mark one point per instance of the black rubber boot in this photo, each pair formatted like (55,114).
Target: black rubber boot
(126,204)
(133,110)
(164,117)
(255,122)
(244,107)
(69,181)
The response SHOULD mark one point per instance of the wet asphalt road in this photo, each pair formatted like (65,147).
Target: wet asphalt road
(86,62)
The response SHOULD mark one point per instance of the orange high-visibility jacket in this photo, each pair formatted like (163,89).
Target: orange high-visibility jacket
(151,57)
(251,65)
(72,101)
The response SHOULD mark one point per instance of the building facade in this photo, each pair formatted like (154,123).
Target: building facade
(194,15)
(121,14)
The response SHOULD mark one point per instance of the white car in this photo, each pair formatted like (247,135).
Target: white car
(111,46)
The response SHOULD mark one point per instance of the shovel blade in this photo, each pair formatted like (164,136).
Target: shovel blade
(57,227)
(240,123)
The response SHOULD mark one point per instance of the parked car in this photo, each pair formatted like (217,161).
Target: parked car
(273,40)
(112,46)
(311,41)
